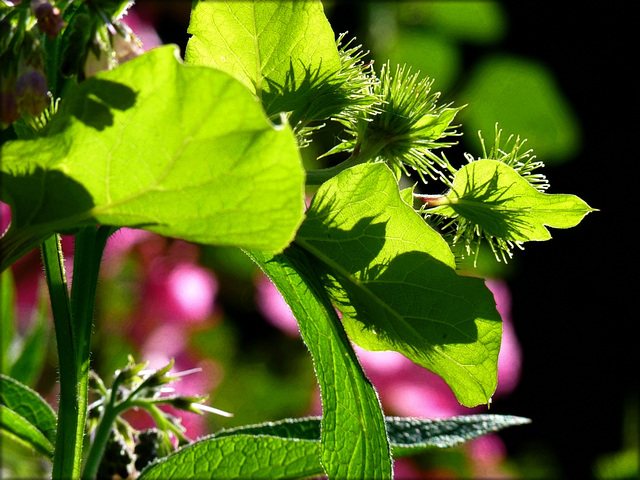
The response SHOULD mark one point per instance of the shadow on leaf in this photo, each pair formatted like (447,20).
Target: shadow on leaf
(42,202)
(92,103)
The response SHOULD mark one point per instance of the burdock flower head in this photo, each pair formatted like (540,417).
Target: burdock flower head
(407,126)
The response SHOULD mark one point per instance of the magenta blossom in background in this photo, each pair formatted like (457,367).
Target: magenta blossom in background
(5,217)
(510,358)
(143,29)
(122,241)
(178,291)
(274,308)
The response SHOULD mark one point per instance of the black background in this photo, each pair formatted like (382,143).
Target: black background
(580,341)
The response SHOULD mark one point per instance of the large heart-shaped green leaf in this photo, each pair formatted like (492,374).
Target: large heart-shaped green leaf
(180,150)
(394,280)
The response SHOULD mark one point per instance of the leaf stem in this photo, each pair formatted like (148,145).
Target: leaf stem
(318,177)
(361,153)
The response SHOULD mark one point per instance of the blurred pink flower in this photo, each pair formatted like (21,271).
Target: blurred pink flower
(488,454)
(178,291)
(274,308)
(123,240)
(510,358)
(193,289)
(5,217)
(142,28)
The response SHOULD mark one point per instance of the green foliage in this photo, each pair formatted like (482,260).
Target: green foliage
(289,449)
(27,416)
(353,425)
(209,152)
(97,161)
(394,280)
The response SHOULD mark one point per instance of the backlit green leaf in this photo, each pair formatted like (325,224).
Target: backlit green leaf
(354,440)
(180,150)
(282,51)
(394,280)
(20,428)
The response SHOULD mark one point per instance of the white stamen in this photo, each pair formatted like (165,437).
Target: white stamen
(207,408)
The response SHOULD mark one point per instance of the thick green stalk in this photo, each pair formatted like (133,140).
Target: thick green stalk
(68,452)
(73,322)
(89,246)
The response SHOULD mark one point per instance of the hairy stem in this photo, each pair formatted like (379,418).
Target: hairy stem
(68,452)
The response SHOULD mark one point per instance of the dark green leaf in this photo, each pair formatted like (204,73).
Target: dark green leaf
(354,442)
(410,436)
(241,456)
(27,415)
(394,280)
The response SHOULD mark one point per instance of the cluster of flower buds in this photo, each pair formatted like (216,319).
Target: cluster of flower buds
(23,84)
(137,387)
(93,40)
(49,18)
